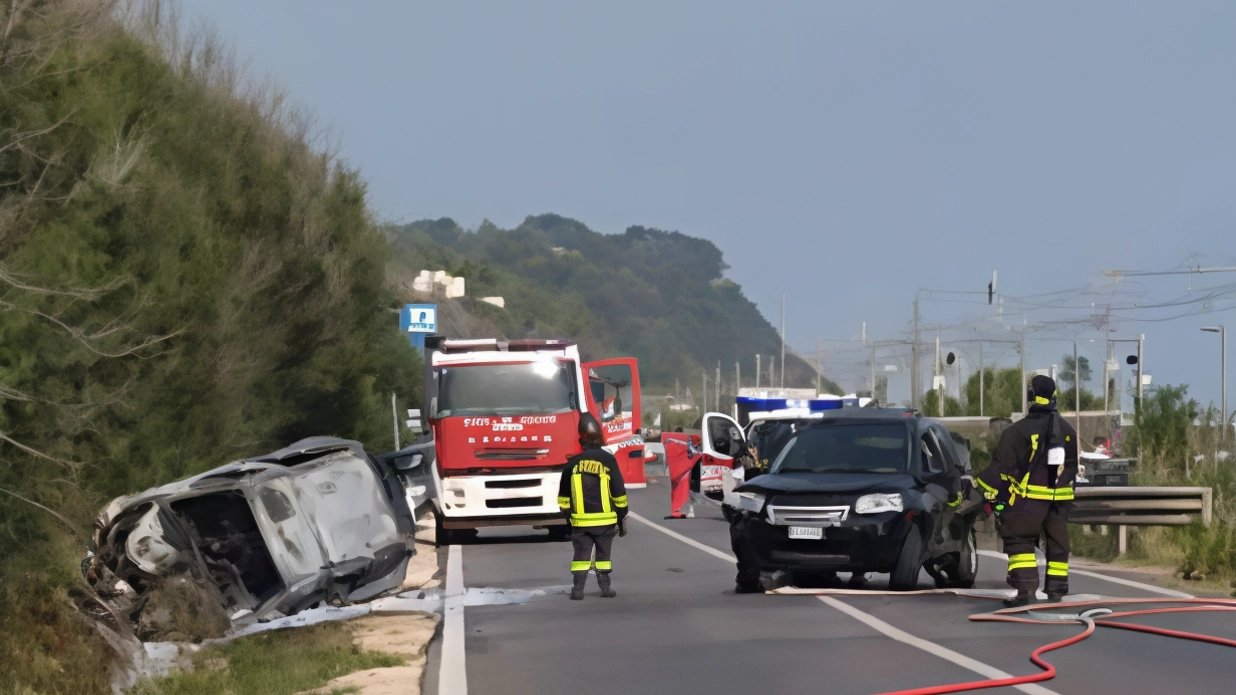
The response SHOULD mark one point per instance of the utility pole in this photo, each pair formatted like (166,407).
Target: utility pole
(1106,390)
(915,383)
(783,340)
(982,376)
(716,398)
(935,380)
(819,362)
(395,412)
(704,398)
(1141,360)
(757,371)
(873,376)
(1077,398)
(772,371)
(1024,405)
(1222,331)
(737,378)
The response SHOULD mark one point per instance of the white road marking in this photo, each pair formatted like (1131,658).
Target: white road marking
(689,541)
(1115,580)
(453,670)
(871,621)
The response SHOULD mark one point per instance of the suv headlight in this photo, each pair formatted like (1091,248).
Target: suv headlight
(750,501)
(874,504)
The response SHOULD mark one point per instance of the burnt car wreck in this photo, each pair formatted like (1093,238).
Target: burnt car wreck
(321,521)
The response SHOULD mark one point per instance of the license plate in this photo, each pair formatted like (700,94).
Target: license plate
(806,533)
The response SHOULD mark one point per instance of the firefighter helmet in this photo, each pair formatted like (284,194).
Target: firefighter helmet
(589,430)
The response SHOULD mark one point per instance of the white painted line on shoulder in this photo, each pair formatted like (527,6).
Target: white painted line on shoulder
(871,621)
(930,647)
(453,670)
(1115,580)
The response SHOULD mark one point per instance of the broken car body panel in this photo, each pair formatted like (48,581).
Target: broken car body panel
(321,520)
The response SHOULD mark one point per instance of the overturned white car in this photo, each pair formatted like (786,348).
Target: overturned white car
(319,521)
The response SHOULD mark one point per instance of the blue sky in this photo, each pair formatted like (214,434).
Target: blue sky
(824,147)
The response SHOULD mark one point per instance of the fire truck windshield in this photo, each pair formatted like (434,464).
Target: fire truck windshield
(537,388)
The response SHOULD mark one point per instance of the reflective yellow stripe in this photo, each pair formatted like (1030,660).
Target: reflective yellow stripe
(605,565)
(594,519)
(1034,445)
(1042,401)
(955,502)
(1022,560)
(605,491)
(564,502)
(581,565)
(1016,488)
(620,501)
(1058,569)
(1042,492)
(988,491)
(577,484)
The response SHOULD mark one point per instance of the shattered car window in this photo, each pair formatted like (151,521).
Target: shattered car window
(846,448)
(278,507)
(302,555)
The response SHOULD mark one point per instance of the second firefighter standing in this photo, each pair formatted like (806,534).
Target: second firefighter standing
(593,499)
(1030,483)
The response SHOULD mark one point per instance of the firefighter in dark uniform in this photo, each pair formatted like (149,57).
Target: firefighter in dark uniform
(594,500)
(1030,483)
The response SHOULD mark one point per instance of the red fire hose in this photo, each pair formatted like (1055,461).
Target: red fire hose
(1107,620)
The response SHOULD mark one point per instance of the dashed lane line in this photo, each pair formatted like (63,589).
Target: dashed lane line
(871,621)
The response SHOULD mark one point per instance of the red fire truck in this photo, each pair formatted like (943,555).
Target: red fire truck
(504,418)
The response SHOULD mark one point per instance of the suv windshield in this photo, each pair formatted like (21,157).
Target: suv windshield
(846,448)
(531,388)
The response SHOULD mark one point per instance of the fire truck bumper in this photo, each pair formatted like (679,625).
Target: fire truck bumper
(510,499)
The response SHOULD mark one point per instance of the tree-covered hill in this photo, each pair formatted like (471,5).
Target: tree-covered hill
(656,295)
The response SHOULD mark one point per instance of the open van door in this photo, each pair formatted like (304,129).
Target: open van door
(722,442)
(613,397)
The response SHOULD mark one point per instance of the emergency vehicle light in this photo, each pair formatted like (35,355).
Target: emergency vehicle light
(814,405)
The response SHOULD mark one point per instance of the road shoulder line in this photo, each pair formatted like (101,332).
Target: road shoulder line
(1095,575)
(871,621)
(452,668)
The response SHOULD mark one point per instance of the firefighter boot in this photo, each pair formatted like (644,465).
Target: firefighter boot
(1023,598)
(603,583)
(577,591)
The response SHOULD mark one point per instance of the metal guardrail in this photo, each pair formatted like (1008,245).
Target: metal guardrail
(1142,506)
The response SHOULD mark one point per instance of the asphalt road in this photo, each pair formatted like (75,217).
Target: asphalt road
(677,627)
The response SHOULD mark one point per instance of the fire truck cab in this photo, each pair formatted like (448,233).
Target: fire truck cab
(504,416)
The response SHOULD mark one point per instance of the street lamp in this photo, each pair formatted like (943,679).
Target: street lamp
(1223,341)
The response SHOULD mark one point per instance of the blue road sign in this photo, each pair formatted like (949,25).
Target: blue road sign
(417,320)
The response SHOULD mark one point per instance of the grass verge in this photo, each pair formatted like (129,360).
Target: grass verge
(279,662)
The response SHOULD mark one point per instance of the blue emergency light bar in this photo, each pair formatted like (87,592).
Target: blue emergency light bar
(815,405)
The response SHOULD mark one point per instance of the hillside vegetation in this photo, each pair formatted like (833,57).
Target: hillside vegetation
(656,295)
(184,279)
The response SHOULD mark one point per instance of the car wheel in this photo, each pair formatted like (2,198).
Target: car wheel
(967,565)
(905,574)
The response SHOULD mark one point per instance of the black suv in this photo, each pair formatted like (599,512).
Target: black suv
(858,490)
